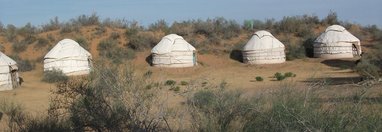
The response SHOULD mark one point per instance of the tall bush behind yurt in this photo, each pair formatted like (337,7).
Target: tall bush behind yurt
(336,42)
(69,57)
(173,51)
(263,48)
(9,77)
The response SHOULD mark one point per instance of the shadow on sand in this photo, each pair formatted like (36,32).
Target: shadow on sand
(149,60)
(236,55)
(336,80)
(342,64)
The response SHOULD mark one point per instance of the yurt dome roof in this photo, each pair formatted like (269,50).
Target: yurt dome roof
(262,40)
(336,33)
(172,42)
(5,60)
(67,48)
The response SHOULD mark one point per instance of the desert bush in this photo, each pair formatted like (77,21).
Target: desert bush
(19,120)
(181,28)
(27,30)
(148,74)
(117,23)
(279,76)
(259,78)
(289,74)
(1,27)
(160,25)
(142,41)
(20,46)
(110,49)
(85,20)
(370,64)
(41,42)
(184,83)
(331,19)
(114,35)
(83,42)
(217,110)
(69,28)
(170,83)
(54,76)
(295,52)
(53,24)
(23,65)
(111,99)
(100,30)
(11,33)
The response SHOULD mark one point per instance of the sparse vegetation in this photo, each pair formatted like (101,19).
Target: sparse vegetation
(23,65)
(110,50)
(112,98)
(170,83)
(259,78)
(54,76)
(279,76)
(184,83)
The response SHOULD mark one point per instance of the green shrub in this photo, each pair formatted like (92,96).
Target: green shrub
(170,83)
(100,30)
(279,76)
(110,49)
(68,28)
(19,46)
(175,89)
(141,42)
(289,74)
(259,78)
(370,64)
(54,76)
(41,42)
(23,65)
(83,42)
(114,35)
(183,83)
(148,74)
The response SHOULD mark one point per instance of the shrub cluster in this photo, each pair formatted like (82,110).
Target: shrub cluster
(279,76)
(54,76)
(110,50)
(370,64)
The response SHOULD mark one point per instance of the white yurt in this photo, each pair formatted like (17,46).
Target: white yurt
(9,77)
(69,57)
(336,42)
(173,51)
(263,48)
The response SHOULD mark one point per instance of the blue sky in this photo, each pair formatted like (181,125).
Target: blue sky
(38,12)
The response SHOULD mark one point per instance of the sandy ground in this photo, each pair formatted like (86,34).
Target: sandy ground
(34,94)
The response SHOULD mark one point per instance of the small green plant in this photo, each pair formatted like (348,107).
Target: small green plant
(289,74)
(279,76)
(176,89)
(204,84)
(53,76)
(183,83)
(149,86)
(170,83)
(148,74)
(259,78)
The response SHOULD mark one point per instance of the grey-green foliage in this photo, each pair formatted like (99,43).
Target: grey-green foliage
(110,99)
(20,121)
(217,110)
(110,49)
(370,64)
(54,76)
(83,42)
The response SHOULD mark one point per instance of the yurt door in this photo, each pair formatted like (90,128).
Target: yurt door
(194,58)
(14,77)
(355,51)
